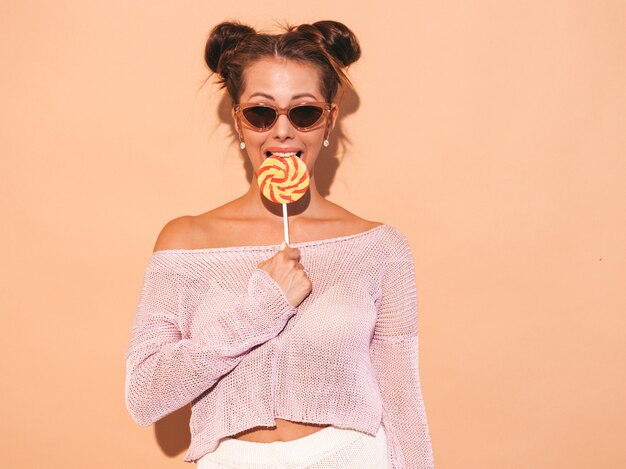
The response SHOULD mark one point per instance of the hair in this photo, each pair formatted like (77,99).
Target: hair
(328,45)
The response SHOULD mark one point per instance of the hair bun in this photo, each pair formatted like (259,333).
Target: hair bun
(221,43)
(339,41)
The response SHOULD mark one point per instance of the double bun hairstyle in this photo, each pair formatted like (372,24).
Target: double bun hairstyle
(328,45)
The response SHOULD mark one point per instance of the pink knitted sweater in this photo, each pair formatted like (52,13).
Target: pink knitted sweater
(213,329)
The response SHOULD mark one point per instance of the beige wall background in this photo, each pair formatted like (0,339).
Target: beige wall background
(492,133)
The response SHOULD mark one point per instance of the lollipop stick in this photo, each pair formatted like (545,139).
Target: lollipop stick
(286,223)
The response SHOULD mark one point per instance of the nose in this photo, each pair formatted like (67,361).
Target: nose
(283,129)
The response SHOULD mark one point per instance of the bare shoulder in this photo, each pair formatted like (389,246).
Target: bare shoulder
(361,225)
(354,222)
(370,224)
(206,230)
(178,233)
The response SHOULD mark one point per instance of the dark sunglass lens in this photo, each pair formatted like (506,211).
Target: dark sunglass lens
(260,116)
(305,116)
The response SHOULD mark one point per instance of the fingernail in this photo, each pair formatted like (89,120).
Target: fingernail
(283,245)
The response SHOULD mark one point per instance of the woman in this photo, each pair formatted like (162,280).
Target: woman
(292,356)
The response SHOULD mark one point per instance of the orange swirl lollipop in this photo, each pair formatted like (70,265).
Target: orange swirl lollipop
(283,179)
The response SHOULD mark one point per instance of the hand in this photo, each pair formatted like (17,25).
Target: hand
(285,269)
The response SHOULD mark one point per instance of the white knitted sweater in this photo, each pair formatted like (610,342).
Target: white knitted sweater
(213,329)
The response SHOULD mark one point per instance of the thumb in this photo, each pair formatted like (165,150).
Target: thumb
(283,245)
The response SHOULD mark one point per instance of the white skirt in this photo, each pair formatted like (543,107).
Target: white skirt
(328,448)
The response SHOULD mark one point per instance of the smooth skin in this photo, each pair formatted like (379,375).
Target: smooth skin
(252,220)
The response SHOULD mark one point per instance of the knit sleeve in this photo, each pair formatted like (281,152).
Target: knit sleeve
(394,353)
(164,371)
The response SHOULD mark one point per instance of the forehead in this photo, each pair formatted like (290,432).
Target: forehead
(282,79)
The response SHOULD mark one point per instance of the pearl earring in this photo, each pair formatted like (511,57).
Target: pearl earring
(326,142)
(242,145)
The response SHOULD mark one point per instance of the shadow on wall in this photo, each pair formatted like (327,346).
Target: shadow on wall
(329,158)
(172,431)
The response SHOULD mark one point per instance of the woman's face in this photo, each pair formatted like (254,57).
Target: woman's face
(283,83)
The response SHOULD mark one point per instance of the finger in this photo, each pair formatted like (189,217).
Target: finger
(292,253)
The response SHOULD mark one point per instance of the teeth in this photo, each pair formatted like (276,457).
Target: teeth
(291,153)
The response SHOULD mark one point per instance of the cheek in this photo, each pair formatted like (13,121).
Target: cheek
(253,139)
(314,139)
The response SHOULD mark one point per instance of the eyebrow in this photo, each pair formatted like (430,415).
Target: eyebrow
(295,96)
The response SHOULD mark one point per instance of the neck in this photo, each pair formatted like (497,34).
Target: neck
(254,204)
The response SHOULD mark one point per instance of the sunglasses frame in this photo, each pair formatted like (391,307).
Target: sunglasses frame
(326,108)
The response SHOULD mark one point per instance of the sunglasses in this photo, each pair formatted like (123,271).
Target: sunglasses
(303,116)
